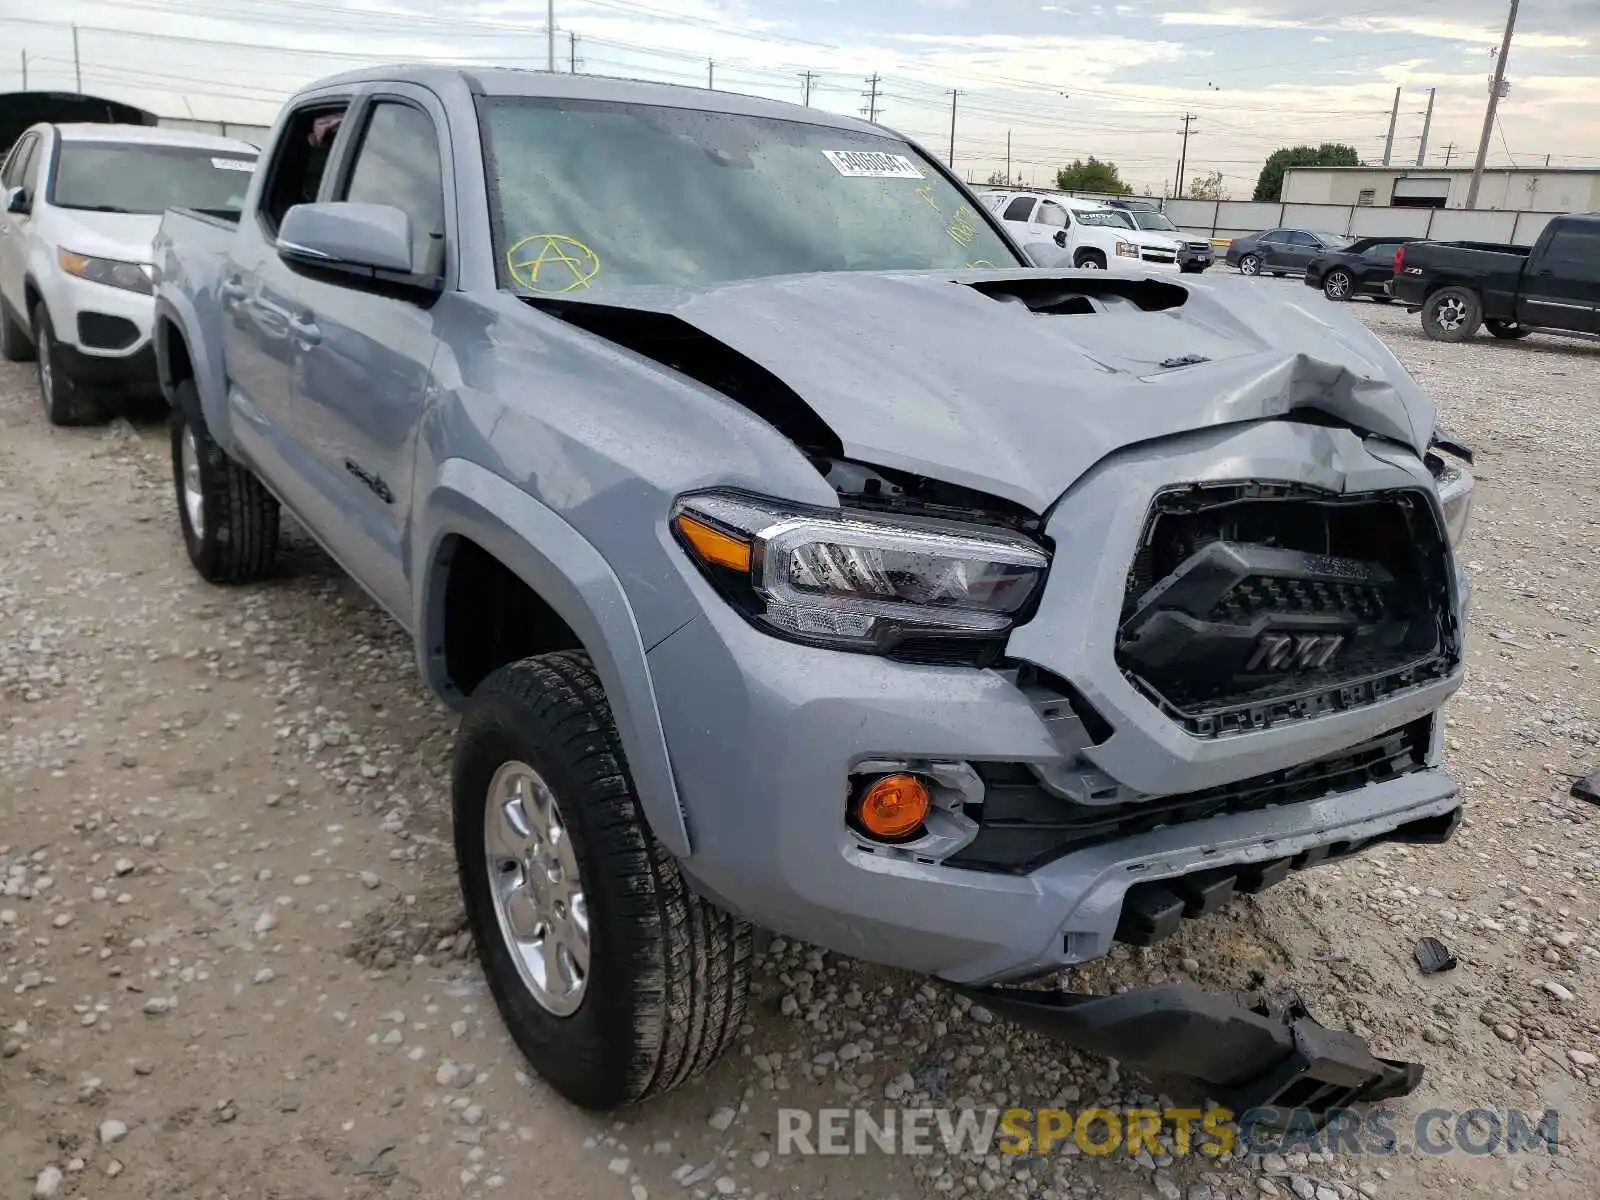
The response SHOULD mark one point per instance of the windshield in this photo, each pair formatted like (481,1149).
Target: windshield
(1155,220)
(1113,218)
(118,177)
(594,196)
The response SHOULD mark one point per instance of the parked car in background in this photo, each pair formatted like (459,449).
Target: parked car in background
(1363,268)
(1509,290)
(1096,235)
(1281,252)
(786,579)
(82,206)
(1195,254)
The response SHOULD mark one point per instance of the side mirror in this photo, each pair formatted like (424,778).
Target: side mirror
(1061,238)
(17,202)
(363,241)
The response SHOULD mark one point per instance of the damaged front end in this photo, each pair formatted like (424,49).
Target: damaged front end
(1271,1059)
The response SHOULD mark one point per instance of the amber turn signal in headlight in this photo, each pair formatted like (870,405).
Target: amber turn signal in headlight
(893,808)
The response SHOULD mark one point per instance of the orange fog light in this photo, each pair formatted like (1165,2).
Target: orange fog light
(894,807)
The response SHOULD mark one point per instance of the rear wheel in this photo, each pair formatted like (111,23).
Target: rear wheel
(66,401)
(1508,331)
(614,979)
(1250,264)
(228,518)
(14,343)
(1451,314)
(1337,285)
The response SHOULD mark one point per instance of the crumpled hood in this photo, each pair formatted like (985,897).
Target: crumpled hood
(925,372)
(126,237)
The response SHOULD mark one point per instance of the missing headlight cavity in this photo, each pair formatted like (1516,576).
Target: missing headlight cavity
(1254,604)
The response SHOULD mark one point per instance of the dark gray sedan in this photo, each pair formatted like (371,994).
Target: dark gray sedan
(1281,251)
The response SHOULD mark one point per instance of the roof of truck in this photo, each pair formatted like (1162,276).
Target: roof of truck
(508,81)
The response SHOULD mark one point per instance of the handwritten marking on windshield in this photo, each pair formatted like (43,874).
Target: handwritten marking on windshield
(961,229)
(552,262)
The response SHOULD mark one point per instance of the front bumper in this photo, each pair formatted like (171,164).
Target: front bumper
(104,332)
(764,735)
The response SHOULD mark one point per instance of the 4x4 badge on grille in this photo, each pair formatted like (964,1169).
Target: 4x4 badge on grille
(1294,652)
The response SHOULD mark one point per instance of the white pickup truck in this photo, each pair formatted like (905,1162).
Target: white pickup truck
(1096,235)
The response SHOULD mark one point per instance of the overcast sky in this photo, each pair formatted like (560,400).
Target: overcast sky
(1065,79)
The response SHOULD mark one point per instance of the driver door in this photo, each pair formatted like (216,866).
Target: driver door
(14,226)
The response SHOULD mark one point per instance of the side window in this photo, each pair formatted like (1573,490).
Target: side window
(1577,246)
(1383,250)
(1052,214)
(299,160)
(1275,237)
(398,164)
(17,164)
(30,169)
(1303,240)
(1019,209)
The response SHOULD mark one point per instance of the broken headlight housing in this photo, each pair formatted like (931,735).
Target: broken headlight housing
(1455,486)
(868,582)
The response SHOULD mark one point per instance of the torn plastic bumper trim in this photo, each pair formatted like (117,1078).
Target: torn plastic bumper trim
(1252,1054)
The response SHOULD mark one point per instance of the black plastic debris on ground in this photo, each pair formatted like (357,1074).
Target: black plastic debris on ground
(1434,956)
(1588,788)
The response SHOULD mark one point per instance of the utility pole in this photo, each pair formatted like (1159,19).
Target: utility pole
(24,70)
(77,63)
(1183,155)
(1427,123)
(807,76)
(871,111)
(711,74)
(1008,158)
(1495,86)
(1394,116)
(572,52)
(950,161)
(1449,153)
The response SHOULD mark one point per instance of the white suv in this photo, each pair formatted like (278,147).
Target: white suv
(81,207)
(1097,236)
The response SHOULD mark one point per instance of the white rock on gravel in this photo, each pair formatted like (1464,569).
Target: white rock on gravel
(112,1131)
(48,1182)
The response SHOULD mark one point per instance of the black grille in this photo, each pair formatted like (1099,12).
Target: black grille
(1250,605)
(101,331)
(1022,827)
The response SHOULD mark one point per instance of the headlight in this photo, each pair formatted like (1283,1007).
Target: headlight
(1455,486)
(860,581)
(130,277)
(1127,250)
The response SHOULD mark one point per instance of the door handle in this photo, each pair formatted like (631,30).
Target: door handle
(305,330)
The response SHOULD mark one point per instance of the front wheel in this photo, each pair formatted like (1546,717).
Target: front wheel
(1336,286)
(66,402)
(228,518)
(1507,331)
(614,979)
(1451,314)
(1091,262)
(1250,264)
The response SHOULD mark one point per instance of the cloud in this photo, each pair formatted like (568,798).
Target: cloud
(1485,32)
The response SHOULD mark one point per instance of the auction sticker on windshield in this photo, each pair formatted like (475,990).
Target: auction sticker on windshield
(872,164)
(233,164)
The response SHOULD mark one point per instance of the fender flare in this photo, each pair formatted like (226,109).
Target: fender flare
(570,575)
(176,316)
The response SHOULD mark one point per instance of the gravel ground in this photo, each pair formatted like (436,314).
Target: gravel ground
(232,960)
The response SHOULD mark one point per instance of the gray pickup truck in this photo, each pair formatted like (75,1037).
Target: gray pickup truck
(800,554)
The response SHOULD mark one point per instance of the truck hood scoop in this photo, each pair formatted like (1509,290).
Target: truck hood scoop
(1015,383)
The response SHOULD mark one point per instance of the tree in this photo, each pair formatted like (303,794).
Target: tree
(1207,187)
(1092,176)
(1329,154)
